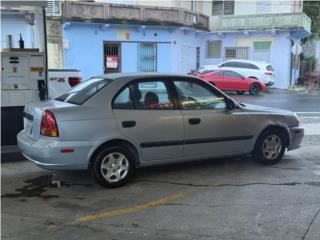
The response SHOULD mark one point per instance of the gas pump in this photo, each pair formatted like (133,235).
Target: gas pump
(23,81)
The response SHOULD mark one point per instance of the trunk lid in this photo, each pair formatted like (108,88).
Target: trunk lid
(33,112)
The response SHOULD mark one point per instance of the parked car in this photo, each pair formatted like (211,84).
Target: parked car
(114,123)
(247,68)
(62,80)
(227,80)
(205,68)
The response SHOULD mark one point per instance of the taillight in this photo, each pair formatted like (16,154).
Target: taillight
(49,125)
(74,81)
(268,73)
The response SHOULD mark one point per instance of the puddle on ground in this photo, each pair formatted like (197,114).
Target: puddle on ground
(36,187)
(317,172)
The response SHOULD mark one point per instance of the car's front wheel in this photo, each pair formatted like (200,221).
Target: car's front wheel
(270,147)
(113,166)
(255,89)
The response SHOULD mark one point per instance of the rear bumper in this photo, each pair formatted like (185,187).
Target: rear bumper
(46,153)
(268,84)
(296,134)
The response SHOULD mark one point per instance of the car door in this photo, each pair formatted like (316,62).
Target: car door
(218,79)
(211,128)
(147,115)
(235,81)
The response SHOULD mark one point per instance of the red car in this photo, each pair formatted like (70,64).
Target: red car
(231,81)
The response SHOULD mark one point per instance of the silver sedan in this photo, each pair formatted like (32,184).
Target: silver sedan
(115,123)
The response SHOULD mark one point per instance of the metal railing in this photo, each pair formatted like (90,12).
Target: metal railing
(265,21)
(103,12)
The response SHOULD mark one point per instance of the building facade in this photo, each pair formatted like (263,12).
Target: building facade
(177,36)
(130,48)
(128,38)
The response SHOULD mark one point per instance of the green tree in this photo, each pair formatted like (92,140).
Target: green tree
(312,9)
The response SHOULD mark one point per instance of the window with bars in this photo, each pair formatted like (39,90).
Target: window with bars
(214,49)
(222,7)
(236,53)
(147,57)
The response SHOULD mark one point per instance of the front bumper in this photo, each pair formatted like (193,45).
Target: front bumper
(46,153)
(296,134)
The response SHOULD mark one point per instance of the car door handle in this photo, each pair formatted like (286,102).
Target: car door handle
(194,121)
(128,124)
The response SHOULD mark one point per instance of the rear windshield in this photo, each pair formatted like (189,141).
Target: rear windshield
(269,68)
(82,92)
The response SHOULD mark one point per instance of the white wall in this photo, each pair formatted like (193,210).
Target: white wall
(15,23)
(183,50)
(267,6)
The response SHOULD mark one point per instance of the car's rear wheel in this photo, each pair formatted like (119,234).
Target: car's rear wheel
(113,166)
(255,89)
(270,147)
(240,92)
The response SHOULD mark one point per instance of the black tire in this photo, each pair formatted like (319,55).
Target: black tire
(240,92)
(255,89)
(262,151)
(104,157)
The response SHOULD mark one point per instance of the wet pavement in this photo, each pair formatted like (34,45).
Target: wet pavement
(297,101)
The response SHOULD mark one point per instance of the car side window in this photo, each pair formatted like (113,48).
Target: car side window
(228,64)
(232,74)
(249,66)
(195,96)
(152,95)
(217,74)
(123,100)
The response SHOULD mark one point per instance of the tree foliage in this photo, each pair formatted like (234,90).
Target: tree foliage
(312,9)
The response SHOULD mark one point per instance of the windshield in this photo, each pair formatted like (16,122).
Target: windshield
(82,92)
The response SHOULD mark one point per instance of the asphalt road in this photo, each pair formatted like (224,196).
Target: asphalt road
(216,199)
(297,102)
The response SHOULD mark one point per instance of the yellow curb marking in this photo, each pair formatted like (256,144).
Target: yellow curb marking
(137,208)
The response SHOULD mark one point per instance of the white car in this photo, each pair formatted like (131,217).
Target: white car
(61,81)
(247,68)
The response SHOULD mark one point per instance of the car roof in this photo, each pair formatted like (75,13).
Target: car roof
(136,75)
(249,61)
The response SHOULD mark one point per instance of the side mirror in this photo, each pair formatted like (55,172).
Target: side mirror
(230,103)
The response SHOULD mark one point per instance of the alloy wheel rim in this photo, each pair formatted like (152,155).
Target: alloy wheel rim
(114,167)
(271,147)
(255,89)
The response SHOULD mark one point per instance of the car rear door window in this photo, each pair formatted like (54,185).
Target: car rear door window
(231,64)
(154,95)
(232,74)
(145,95)
(217,73)
(195,96)
(249,66)
(123,100)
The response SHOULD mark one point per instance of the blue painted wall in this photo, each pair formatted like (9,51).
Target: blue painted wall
(280,51)
(83,46)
